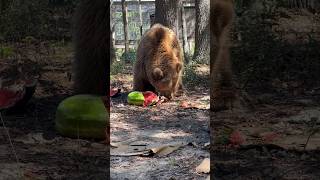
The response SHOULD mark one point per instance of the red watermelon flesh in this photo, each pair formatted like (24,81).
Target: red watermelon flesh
(114,92)
(16,96)
(8,97)
(150,98)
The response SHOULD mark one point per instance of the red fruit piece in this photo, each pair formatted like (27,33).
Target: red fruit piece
(236,138)
(14,98)
(8,98)
(114,92)
(150,98)
(184,104)
(269,137)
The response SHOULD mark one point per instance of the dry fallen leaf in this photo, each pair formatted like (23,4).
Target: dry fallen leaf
(269,137)
(166,149)
(204,167)
(130,147)
(136,148)
(184,104)
(207,144)
(129,150)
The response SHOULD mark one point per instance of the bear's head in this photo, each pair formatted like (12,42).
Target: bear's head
(165,77)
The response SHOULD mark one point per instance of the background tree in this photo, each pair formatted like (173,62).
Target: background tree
(3,5)
(186,47)
(112,40)
(202,39)
(302,3)
(140,18)
(167,13)
(125,28)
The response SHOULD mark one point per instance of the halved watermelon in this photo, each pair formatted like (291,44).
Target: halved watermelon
(82,116)
(135,98)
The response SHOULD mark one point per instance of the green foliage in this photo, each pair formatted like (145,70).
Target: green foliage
(117,67)
(5,52)
(24,18)
(192,78)
(129,57)
(262,55)
(64,2)
(41,19)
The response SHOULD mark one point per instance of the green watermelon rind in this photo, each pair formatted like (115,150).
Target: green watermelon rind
(82,116)
(135,98)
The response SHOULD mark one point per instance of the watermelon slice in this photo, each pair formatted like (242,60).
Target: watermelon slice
(8,98)
(114,92)
(17,96)
(150,98)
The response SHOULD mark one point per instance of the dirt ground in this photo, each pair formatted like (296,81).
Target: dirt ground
(38,152)
(274,142)
(167,123)
(277,139)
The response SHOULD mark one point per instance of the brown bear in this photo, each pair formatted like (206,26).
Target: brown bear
(159,62)
(92,46)
(223,92)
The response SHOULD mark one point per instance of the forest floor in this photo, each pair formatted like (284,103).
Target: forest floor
(169,123)
(39,152)
(42,153)
(277,140)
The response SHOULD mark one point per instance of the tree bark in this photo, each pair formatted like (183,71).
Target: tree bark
(125,28)
(112,40)
(167,13)
(309,4)
(202,39)
(140,18)
(186,47)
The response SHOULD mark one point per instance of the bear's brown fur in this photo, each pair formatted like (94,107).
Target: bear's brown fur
(223,93)
(91,39)
(159,62)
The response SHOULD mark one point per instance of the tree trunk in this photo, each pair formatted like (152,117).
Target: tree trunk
(125,28)
(202,39)
(186,48)
(309,4)
(3,5)
(140,18)
(167,13)
(112,40)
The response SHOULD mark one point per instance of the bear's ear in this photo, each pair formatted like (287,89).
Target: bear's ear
(178,67)
(157,74)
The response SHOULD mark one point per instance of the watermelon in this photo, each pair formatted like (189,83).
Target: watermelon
(16,97)
(82,116)
(147,98)
(136,98)
(150,98)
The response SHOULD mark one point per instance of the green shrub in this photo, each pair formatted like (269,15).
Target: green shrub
(5,52)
